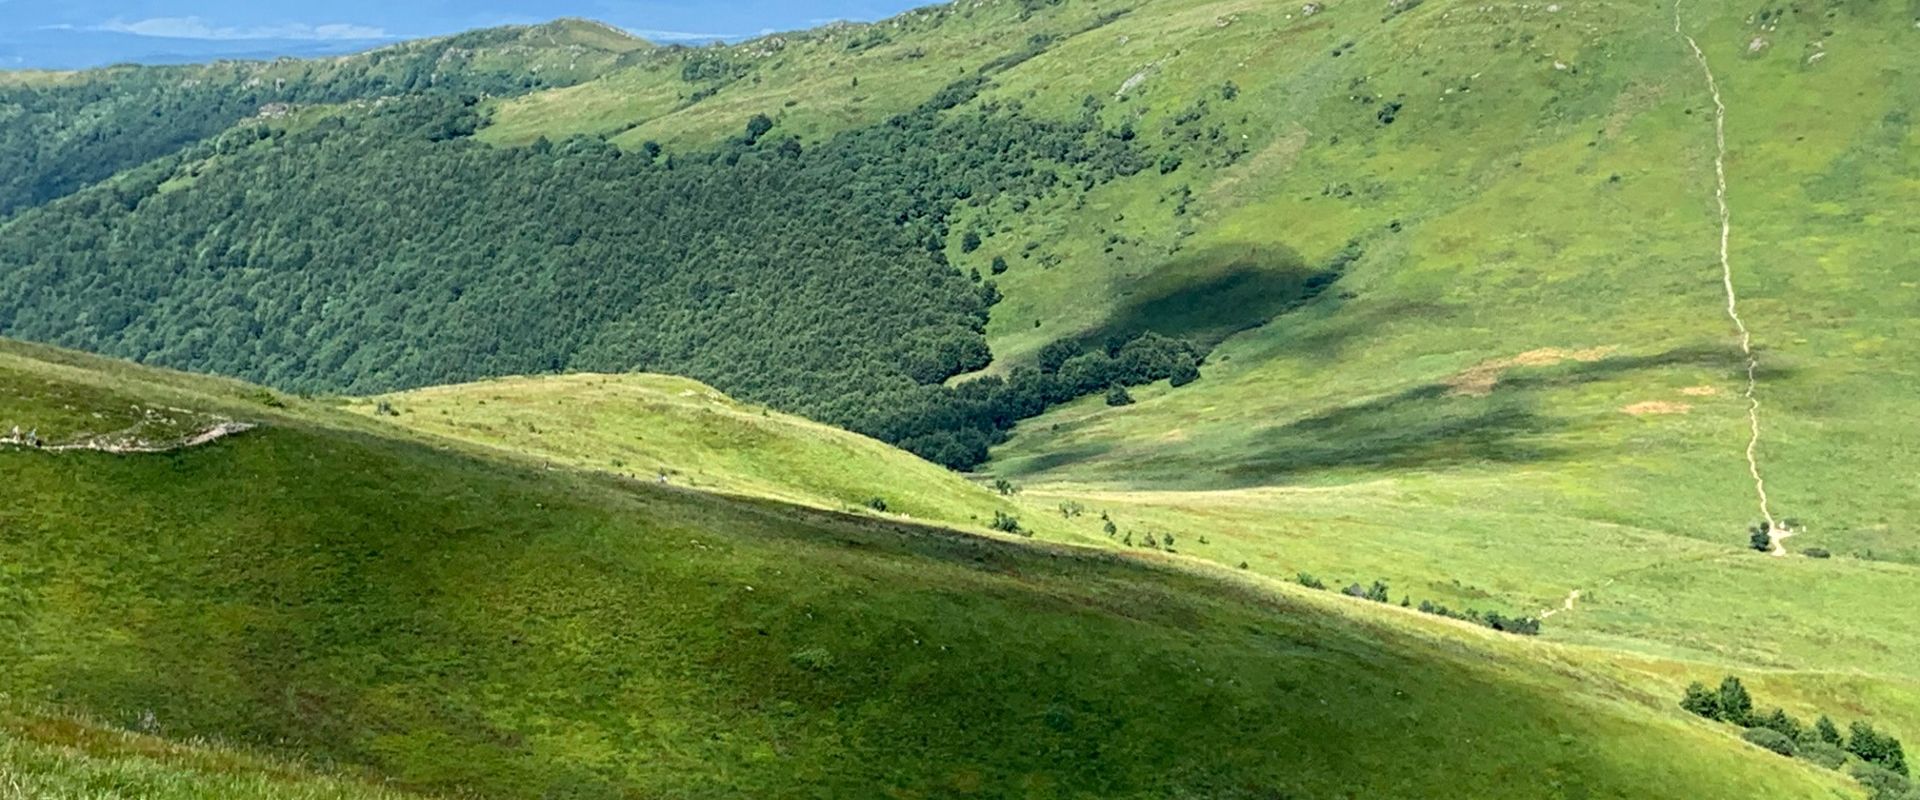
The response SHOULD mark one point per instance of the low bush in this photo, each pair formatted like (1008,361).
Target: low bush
(1823,754)
(1881,783)
(1772,740)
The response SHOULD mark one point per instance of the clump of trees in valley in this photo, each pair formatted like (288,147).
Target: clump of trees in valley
(1876,759)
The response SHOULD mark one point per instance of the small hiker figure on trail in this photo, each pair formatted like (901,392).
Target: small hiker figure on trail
(33,437)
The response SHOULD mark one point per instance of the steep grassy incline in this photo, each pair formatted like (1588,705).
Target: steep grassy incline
(648,426)
(453,622)
(1528,385)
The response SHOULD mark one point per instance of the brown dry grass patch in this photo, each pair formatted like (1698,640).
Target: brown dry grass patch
(1655,407)
(1480,380)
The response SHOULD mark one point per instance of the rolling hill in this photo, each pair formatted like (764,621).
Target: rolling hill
(1227,296)
(446,620)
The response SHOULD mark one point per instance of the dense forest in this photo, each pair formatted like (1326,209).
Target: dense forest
(384,248)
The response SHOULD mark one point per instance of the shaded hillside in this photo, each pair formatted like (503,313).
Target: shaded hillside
(455,622)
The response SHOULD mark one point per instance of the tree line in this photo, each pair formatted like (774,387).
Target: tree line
(1874,758)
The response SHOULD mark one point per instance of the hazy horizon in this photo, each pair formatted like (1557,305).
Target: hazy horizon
(78,34)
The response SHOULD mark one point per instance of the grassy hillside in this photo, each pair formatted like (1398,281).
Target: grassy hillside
(45,755)
(450,621)
(648,426)
(1454,266)
(1528,385)
(1524,383)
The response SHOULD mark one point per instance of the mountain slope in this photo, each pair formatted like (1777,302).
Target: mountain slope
(453,622)
(1529,385)
(60,132)
(684,433)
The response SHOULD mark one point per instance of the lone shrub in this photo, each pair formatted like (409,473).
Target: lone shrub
(1307,580)
(1772,740)
(1006,523)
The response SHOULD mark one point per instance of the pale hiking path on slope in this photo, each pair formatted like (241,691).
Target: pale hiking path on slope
(1566,605)
(1777,533)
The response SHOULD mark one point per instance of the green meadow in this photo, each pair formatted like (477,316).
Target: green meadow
(357,597)
(1455,265)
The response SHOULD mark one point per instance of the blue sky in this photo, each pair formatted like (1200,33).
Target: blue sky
(77,33)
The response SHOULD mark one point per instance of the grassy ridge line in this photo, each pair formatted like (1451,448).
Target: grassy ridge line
(454,621)
(817,82)
(645,426)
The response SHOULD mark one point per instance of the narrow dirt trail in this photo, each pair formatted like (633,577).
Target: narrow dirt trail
(1566,605)
(1778,533)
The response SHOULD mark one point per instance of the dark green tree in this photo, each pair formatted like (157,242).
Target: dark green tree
(757,126)
(1117,395)
(1876,748)
(1735,704)
(1828,732)
(1779,720)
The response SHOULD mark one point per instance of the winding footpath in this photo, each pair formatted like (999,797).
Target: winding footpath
(1777,532)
